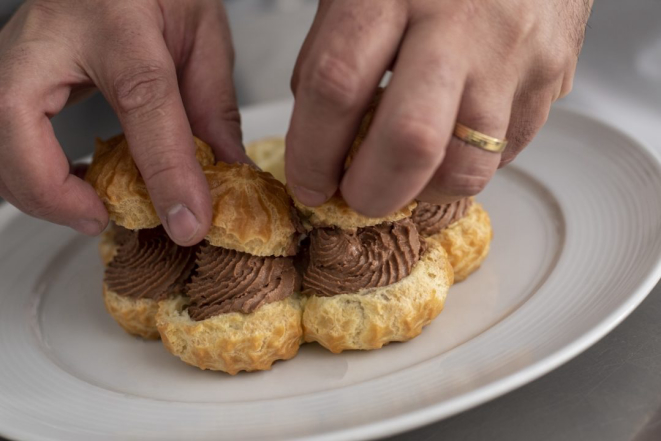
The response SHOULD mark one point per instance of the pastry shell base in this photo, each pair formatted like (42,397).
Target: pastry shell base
(372,318)
(232,342)
(135,316)
(467,241)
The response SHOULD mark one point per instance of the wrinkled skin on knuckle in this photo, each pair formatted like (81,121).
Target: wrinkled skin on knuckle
(464,185)
(161,165)
(330,80)
(142,89)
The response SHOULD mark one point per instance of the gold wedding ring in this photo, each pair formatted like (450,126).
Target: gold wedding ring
(479,140)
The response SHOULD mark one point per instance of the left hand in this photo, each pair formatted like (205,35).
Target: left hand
(496,66)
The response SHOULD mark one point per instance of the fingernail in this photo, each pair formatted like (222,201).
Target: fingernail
(181,223)
(309,197)
(89,227)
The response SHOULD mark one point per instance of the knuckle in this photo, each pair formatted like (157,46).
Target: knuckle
(162,165)
(556,66)
(306,170)
(524,133)
(552,67)
(142,90)
(42,201)
(158,172)
(566,87)
(332,81)
(417,141)
(461,184)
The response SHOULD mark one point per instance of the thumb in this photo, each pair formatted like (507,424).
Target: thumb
(138,77)
(207,86)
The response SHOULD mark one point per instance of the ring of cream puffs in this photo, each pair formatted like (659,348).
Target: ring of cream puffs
(241,309)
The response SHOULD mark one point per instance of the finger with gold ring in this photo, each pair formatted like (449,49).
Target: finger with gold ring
(478,139)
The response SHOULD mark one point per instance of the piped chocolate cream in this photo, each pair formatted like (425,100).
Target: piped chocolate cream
(121,235)
(149,265)
(232,281)
(340,261)
(432,219)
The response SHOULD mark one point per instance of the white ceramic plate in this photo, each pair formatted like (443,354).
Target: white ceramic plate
(577,247)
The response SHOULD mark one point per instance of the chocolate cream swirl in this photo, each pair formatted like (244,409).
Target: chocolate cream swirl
(148,265)
(432,219)
(232,281)
(340,261)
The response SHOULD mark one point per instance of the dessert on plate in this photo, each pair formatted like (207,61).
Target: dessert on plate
(241,309)
(143,266)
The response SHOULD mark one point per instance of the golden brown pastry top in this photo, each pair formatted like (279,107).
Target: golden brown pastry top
(336,213)
(117,181)
(252,211)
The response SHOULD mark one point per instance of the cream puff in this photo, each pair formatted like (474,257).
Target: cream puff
(241,310)
(462,227)
(368,282)
(143,266)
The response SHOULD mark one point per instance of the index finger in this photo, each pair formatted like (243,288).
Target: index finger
(336,78)
(139,79)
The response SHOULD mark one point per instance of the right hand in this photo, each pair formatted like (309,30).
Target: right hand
(165,66)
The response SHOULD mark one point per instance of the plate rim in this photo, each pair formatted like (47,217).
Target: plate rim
(435,412)
(481,395)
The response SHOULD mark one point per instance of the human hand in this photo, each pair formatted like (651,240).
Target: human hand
(165,66)
(493,65)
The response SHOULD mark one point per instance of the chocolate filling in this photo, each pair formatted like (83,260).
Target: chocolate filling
(120,235)
(148,265)
(232,281)
(340,261)
(432,219)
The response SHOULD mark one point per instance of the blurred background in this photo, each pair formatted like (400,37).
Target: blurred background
(267,36)
(620,66)
(611,392)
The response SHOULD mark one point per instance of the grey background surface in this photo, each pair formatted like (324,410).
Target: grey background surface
(611,392)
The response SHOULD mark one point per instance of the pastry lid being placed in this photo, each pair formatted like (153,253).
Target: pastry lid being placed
(117,181)
(252,211)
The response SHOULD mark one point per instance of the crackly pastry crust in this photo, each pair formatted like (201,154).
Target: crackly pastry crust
(107,246)
(235,341)
(372,318)
(268,154)
(252,211)
(467,241)
(336,213)
(117,181)
(135,316)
